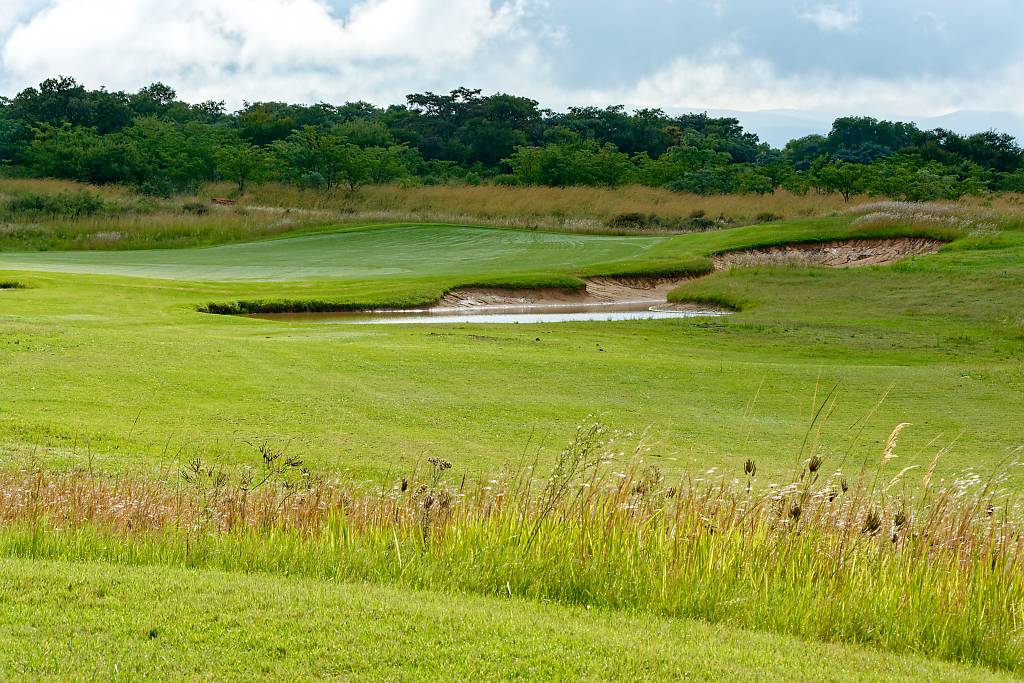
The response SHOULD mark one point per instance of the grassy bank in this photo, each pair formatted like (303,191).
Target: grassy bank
(61,620)
(880,557)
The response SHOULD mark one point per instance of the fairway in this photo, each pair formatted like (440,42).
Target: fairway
(122,372)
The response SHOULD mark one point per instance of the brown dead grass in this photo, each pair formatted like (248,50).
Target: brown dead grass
(575,208)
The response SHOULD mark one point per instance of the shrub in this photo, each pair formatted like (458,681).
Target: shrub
(635,221)
(197,208)
(767,217)
(505,180)
(701,223)
(63,204)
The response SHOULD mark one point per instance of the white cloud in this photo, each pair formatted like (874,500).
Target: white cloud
(380,50)
(932,22)
(728,78)
(829,17)
(15,11)
(718,7)
(261,49)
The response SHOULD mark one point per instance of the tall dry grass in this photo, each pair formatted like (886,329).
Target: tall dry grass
(880,556)
(580,208)
(275,209)
(570,208)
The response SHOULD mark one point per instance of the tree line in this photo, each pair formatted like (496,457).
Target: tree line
(159,144)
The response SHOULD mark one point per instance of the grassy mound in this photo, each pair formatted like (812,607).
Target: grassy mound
(65,620)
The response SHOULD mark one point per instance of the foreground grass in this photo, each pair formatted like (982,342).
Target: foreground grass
(65,620)
(878,557)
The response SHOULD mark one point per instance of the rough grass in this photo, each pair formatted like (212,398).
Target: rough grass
(573,208)
(271,210)
(46,215)
(874,556)
(581,209)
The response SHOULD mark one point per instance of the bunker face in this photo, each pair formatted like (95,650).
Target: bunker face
(552,313)
(852,253)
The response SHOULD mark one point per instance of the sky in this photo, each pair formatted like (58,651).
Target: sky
(794,62)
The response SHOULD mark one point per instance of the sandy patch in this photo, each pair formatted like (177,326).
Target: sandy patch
(601,290)
(472,297)
(839,254)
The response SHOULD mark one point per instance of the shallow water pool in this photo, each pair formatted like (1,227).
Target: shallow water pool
(529,314)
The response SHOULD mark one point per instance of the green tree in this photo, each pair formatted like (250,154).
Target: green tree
(83,154)
(242,163)
(572,163)
(840,176)
(679,162)
(751,180)
(314,157)
(176,157)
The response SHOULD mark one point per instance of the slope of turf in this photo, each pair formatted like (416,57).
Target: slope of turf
(96,366)
(64,619)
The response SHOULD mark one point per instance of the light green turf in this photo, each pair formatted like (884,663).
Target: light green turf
(123,373)
(62,620)
(381,252)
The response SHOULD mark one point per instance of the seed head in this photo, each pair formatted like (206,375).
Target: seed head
(439,463)
(872,523)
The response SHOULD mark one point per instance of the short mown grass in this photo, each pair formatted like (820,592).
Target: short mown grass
(62,620)
(117,360)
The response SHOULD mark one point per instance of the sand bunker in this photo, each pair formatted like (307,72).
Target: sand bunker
(654,291)
(602,290)
(840,254)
